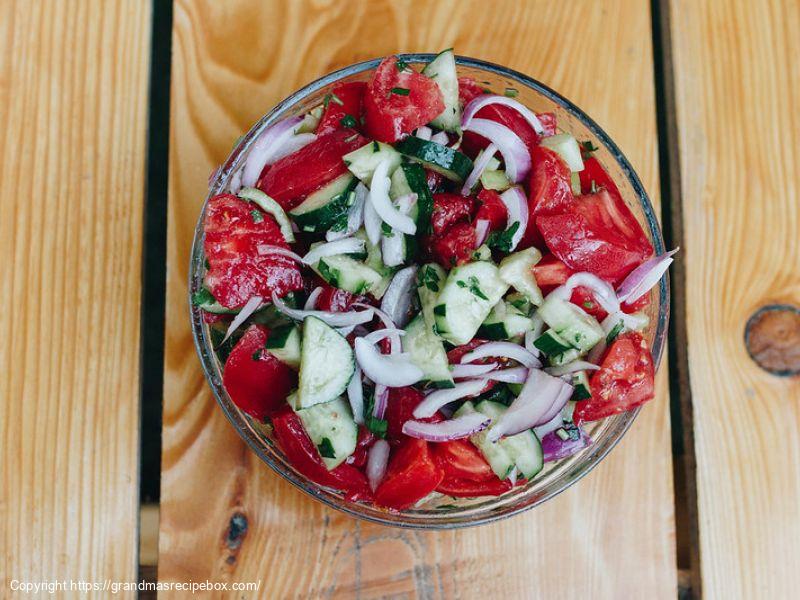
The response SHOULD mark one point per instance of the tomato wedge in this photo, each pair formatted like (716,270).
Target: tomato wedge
(550,273)
(236,271)
(492,209)
(256,381)
(466,488)
(295,176)
(449,209)
(345,99)
(398,101)
(411,475)
(400,408)
(300,451)
(335,300)
(460,459)
(625,380)
(454,247)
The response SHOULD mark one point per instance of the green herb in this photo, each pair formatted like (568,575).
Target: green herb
(207,264)
(440,310)
(340,224)
(348,121)
(473,285)
(256,355)
(511,92)
(429,278)
(588,305)
(326,449)
(588,147)
(223,349)
(257,216)
(278,336)
(612,335)
(328,274)
(387,230)
(562,434)
(203,296)
(486,90)
(398,91)
(376,147)
(501,240)
(375,425)
(401,65)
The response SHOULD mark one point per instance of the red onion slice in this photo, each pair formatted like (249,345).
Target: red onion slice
(379,199)
(517,208)
(344,246)
(601,290)
(462,371)
(248,309)
(264,148)
(381,397)
(445,431)
(479,102)
(642,279)
(379,334)
(435,400)
(311,302)
(478,169)
(558,405)
(334,319)
(556,448)
(535,401)
(542,430)
(355,395)
(537,326)
(388,323)
(372,223)
(512,375)
(424,133)
(391,370)
(393,244)
(515,153)
(397,299)
(512,475)
(265,249)
(481,231)
(502,350)
(377,459)
(355,216)
(573,367)
(440,138)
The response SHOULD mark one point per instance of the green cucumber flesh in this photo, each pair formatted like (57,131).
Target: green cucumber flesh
(442,70)
(524,448)
(578,328)
(551,344)
(326,364)
(363,161)
(567,148)
(494,453)
(327,206)
(427,352)
(332,430)
(517,271)
(452,164)
(284,344)
(271,207)
(346,273)
(430,281)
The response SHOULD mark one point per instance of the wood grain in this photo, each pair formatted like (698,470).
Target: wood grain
(73,92)
(610,536)
(737,81)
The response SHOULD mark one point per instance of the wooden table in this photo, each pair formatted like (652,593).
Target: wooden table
(704,91)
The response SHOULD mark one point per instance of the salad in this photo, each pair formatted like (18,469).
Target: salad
(421,286)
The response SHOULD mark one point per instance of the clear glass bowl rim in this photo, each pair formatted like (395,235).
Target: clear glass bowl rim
(208,358)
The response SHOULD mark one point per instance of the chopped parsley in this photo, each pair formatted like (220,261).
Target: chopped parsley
(473,285)
(328,274)
(511,92)
(331,98)
(401,65)
(587,148)
(398,91)
(501,240)
(256,355)
(326,449)
(376,147)
(203,296)
(348,121)
(257,216)
(612,335)
(588,305)
(340,224)
(375,425)
(387,230)
(429,278)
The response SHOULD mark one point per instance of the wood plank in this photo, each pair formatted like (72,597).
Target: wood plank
(737,82)
(610,536)
(73,103)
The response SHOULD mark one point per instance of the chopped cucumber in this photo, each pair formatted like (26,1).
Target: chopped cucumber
(552,344)
(417,182)
(332,429)
(311,120)
(427,352)
(579,329)
(567,148)
(327,206)
(346,273)
(284,344)
(326,364)
(524,448)
(494,453)
(271,207)
(564,358)
(466,299)
(580,384)
(482,252)
(363,161)
(493,179)
(520,302)
(517,271)
(399,184)
(575,183)
(442,70)
(454,165)
(504,322)
(430,281)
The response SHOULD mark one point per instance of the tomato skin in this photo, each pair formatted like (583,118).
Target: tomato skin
(550,191)
(449,209)
(256,385)
(411,475)
(388,116)
(351,94)
(335,300)
(455,247)
(549,123)
(550,273)
(468,89)
(365,439)
(492,208)
(584,298)
(400,408)
(295,176)
(465,488)
(300,451)
(233,231)
(625,380)
(460,459)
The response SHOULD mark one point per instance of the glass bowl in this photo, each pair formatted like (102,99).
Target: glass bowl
(444,512)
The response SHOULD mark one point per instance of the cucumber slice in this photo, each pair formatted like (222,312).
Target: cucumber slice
(427,352)
(284,344)
(442,70)
(494,453)
(579,329)
(454,165)
(399,184)
(346,273)
(520,302)
(332,429)
(271,207)
(466,299)
(363,161)
(575,183)
(552,344)
(311,120)
(581,389)
(327,206)
(417,182)
(482,252)
(567,148)
(564,358)
(204,299)
(524,448)
(495,180)
(504,322)
(326,364)
(430,281)
(517,271)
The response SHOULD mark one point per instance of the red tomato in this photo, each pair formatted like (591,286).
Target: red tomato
(360,455)
(639,304)
(335,300)
(455,355)
(584,298)
(400,408)
(460,459)
(351,96)
(551,192)
(472,143)
(549,123)
(301,453)
(434,180)
(294,177)
(465,488)
(449,209)
(625,380)
(397,102)
(411,475)
(233,231)
(468,89)
(212,318)
(550,273)
(455,247)
(492,209)
(256,381)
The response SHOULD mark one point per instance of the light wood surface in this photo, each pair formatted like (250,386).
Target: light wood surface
(737,81)
(612,535)
(73,108)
